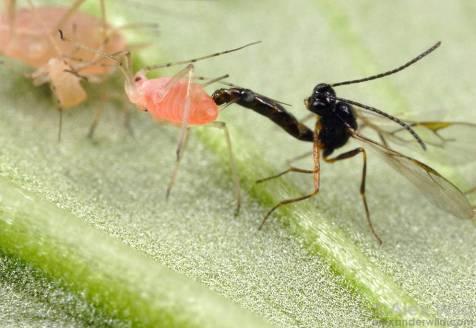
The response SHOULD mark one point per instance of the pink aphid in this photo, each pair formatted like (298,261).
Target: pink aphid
(31,36)
(169,106)
(177,100)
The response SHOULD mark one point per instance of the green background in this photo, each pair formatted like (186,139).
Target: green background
(87,238)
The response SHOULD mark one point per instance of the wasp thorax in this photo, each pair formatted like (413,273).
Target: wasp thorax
(322,101)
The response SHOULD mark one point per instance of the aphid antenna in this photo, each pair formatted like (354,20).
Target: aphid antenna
(228,84)
(211,80)
(124,68)
(393,71)
(404,125)
(194,60)
(204,78)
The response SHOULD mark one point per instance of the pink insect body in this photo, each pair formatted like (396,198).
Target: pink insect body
(67,87)
(31,36)
(179,101)
(31,44)
(169,105)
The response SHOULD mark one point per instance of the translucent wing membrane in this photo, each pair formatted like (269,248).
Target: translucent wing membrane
(434,187)
(453,142)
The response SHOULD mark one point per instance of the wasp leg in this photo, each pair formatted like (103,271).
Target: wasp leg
(316,150)
(351,154)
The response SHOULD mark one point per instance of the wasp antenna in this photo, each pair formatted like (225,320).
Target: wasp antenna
(390,117)
(393,71)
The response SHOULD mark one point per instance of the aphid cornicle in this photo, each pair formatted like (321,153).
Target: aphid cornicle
(29,35)
(337,122)
(177,100)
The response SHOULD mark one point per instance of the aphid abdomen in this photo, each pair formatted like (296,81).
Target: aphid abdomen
(66,86)
(170,106)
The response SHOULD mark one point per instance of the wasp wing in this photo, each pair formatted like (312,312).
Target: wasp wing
(451,141)
(437,189)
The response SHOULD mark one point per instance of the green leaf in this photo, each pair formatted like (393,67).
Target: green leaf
(88,220)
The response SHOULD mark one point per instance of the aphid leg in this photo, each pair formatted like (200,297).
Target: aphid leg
(316,149)
(351,154)
(99,110)
(185,118)
(60,111)
(127,121)
(95,122)
(60,123)
(183,139)
(234,171)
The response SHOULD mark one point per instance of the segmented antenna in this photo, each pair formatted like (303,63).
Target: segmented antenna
(393,71)
(386,115)
(124,68)
(194,60)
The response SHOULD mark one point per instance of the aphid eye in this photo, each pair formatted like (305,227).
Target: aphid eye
(137,79)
